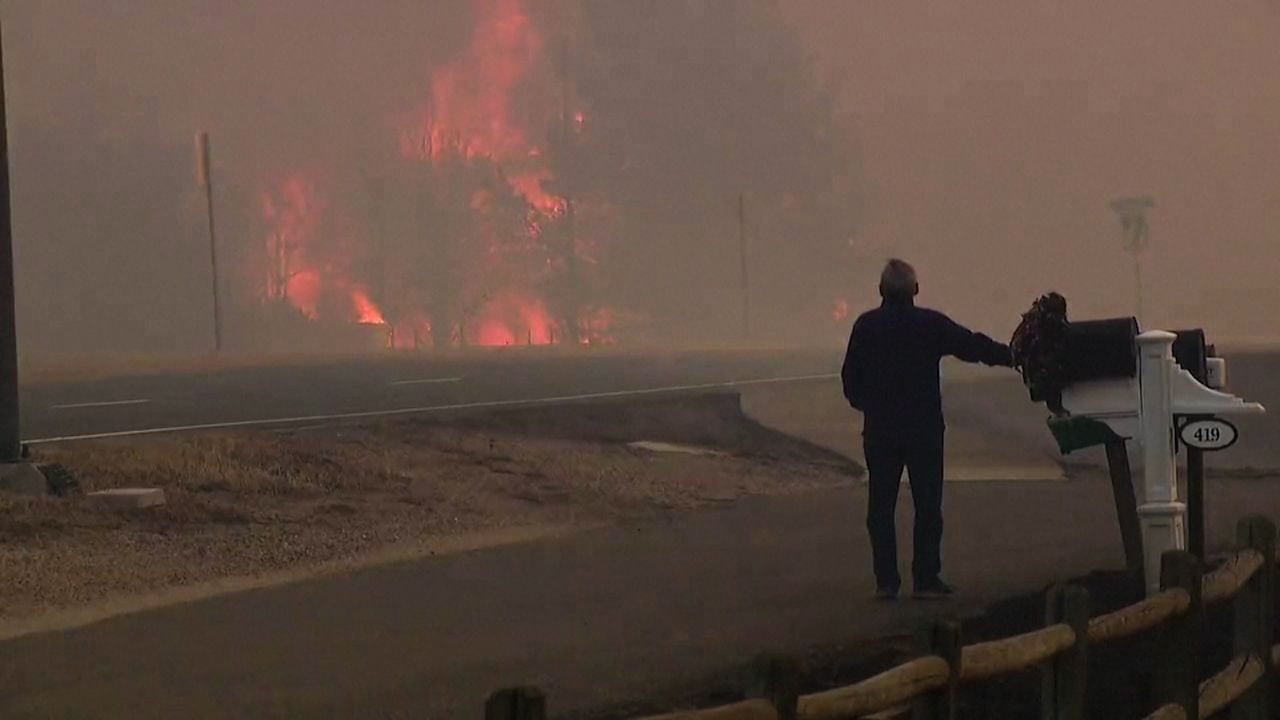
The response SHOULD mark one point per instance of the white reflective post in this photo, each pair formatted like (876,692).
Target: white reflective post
(1161,515)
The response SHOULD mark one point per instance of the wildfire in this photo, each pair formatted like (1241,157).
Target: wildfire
(366,312)
(529,186)
(464,133)
(470,99)
(301,272)
(302,290)
(292,213)
(470,105)
(514,319)
(469,113)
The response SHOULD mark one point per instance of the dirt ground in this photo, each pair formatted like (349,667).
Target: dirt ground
(247,504)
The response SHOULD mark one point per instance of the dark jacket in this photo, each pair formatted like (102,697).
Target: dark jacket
(890,370)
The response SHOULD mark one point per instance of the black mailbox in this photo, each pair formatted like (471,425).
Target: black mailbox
(1101,350)
(1190,351)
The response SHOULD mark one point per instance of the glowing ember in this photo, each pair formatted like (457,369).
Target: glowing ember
(840,311)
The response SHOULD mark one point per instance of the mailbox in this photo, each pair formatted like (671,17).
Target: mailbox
(1101,394)
(1100,350)
(1118,384)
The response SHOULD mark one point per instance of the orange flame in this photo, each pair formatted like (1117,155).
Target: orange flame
(469,110)
(470,97)
(513,318)
(300,273)
(366,312)
(468,115)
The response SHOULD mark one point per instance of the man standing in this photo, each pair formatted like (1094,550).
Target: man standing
(891,375)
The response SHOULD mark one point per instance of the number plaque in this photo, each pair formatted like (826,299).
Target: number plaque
(1210,434)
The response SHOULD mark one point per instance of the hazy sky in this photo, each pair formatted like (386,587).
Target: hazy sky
(993,132)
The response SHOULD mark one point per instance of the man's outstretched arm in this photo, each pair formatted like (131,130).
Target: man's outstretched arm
(851,372)
(964,344)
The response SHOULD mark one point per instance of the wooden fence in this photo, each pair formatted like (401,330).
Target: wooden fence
(927,686)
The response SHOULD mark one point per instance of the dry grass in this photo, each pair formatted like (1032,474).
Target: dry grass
(245,503)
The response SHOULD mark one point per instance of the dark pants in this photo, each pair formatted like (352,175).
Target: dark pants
(922,457)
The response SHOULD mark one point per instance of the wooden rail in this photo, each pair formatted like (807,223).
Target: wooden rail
(1228,685)
(1144,615)
(882,692)
(1010,655)
(1231,576)
(930,682)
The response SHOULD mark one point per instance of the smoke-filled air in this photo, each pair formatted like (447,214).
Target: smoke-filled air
(490,173)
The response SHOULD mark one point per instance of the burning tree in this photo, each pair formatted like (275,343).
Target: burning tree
(453,244)
(493,208)
(312,250)
(467,233)
(529,179)
(292,216)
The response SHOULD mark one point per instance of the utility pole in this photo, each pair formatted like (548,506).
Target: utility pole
(203,177)
(1136,235)
(16,474)
(10,440)
(745,280)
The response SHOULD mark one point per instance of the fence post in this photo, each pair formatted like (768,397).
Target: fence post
(518,703)
(941,638)
(1177,657)
(777,679)
(1254,610)
(1063,678)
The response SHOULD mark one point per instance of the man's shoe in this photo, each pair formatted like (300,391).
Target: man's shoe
(887,593)
(935,590)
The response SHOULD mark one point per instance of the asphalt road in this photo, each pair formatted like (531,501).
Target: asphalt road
(320,392)
(988,412)
(595,618)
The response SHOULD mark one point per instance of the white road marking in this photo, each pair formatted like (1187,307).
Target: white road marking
(112,403)
(428,381)
(431,408)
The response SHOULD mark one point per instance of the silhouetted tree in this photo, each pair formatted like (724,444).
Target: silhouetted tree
(687,103)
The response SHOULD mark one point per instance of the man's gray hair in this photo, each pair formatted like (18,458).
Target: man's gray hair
(898,280)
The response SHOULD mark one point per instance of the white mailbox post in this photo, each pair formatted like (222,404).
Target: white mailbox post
(1150,409)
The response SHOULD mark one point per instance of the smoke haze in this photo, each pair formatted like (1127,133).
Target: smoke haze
(407,165)
(996,132)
